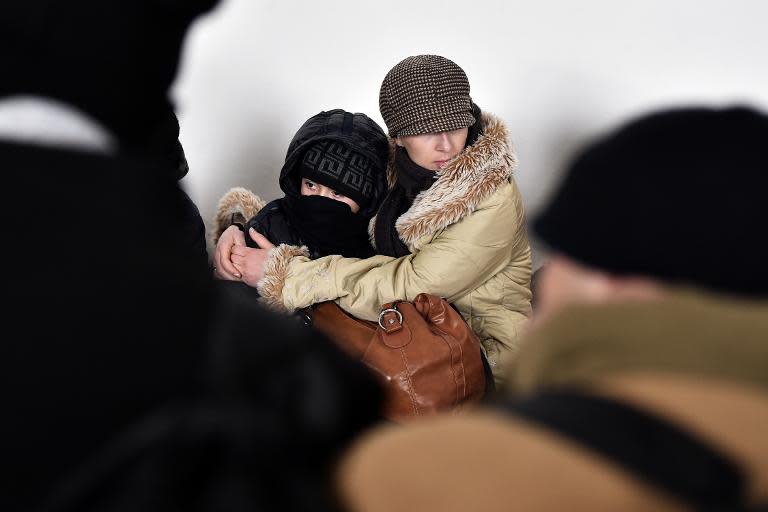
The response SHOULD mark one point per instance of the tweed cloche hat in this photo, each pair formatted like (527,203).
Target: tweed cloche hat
(425,94)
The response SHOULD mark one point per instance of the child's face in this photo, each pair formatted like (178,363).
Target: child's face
(310,188)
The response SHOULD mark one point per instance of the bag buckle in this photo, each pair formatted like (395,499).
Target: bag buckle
(390,322)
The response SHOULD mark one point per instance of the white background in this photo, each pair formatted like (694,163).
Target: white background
(558,72)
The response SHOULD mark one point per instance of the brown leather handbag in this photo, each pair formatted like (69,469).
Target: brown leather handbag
(424,353)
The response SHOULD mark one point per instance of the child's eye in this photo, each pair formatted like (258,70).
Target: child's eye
(309,184)
(336,194)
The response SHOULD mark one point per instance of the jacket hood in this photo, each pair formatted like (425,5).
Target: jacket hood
(357,131)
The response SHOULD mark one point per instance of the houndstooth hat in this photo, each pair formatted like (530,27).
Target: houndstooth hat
(425,94)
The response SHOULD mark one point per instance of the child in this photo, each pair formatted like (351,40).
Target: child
(334,179)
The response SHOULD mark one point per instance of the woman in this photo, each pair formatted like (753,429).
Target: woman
(452,224)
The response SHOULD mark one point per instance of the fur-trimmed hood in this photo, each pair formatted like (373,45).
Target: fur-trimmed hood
(474,175)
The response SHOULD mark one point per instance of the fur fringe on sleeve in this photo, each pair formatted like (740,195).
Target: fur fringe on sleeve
(275,272)
(237,205)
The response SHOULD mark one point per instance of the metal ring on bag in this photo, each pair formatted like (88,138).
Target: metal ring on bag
(388,310)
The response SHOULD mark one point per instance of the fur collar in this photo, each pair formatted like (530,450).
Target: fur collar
(467,180)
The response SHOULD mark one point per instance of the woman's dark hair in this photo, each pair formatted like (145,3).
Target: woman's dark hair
(476,129)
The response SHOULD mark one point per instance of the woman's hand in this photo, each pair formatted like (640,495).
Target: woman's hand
(249,262)
(223,267)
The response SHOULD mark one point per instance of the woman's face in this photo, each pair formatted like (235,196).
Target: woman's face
(311,188)
(434,150)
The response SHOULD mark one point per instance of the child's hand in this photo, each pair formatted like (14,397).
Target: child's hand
(260,240)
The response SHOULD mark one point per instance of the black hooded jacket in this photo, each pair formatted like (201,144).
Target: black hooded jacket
(362,135)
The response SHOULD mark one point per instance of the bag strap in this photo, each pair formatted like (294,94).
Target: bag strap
(490,383)
(653,449)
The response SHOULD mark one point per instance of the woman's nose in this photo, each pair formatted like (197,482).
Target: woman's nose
(443,142)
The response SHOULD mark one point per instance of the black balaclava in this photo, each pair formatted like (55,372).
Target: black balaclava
(326,225)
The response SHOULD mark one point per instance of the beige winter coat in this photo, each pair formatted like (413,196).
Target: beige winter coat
(468,242)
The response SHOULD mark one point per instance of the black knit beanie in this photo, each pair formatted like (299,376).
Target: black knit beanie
(337,166)
(114,60)
(677,195)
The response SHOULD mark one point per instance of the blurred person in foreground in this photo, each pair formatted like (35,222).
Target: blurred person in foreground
(643,384)
(128,381)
